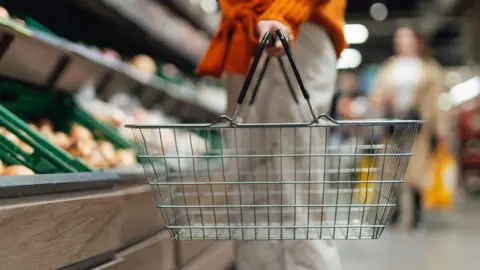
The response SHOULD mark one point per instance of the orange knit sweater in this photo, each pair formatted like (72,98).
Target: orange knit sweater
(235,42)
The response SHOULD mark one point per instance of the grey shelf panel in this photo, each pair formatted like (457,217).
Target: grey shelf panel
(62,65)
(15,186)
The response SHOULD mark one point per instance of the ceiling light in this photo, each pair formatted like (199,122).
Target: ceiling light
(355,33)
(465,91)
(350,58)
(378,11)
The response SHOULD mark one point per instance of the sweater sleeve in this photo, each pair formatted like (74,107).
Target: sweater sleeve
(292,13)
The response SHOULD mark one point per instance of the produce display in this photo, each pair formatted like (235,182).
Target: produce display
(124,109)
(15,169)
(15,140)
(80,143)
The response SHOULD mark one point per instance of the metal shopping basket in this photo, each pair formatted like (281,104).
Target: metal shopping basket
(247,189)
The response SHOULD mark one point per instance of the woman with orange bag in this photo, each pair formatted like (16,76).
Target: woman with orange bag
(409,85)
(314,29)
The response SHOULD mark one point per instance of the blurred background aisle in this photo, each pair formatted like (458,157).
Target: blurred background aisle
(443,243)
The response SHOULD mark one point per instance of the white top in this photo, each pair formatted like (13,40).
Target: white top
(407,72)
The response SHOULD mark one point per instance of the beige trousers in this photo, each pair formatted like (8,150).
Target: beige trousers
(316,60)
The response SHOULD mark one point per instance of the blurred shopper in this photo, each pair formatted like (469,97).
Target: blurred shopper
(349,89)
(349,103)
(407,87)
(344,105)
(315,31)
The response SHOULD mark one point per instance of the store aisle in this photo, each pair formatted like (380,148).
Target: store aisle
(454,245)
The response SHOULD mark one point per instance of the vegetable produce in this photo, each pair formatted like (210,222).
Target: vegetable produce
(96,160)
(2,167)
(17,170)
(4,13)
(144,63)
(107,151)
(126,157)
(45,125)
(62,140)
(80,143)
(15,140)
(110,53)
(82,148)
(80,133)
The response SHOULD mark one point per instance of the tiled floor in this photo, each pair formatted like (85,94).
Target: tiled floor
(452,245)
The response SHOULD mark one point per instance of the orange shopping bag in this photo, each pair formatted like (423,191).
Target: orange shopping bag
(441,181)
(366,177)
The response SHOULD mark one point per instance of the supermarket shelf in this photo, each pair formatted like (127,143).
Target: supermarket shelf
(130,27)
(14,186)
(438,13)
(150,16)
(131,174)
(56,63)
(197,17)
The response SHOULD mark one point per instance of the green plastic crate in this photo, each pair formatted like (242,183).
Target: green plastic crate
(46,158)
(31,23)
(31,102)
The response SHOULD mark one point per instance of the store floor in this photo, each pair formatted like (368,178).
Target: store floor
(452,245)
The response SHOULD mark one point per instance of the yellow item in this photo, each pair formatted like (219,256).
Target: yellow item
(365,190)
(439,193)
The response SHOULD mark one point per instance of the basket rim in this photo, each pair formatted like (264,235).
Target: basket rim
(328,122)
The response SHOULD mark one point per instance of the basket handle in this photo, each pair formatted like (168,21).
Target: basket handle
(263,43)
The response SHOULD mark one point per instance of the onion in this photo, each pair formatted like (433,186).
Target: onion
(82,148)
(17,170)
(12,137)
(4,13)
(79,132)
(33,126)
(15,140)
(26,148)
(2,167)
(108,152)
(46,132)
(110,53)
(126,158)
(96,160)
(61,140)
(144,63)
(45,125)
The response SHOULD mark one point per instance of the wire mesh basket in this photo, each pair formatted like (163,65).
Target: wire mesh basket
(300,187)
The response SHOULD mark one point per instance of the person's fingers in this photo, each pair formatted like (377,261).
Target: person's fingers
(275,50)
(272,26)
(278,48)
(262,28)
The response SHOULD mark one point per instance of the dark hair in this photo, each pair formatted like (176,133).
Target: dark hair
(426,51)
